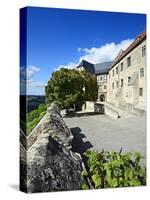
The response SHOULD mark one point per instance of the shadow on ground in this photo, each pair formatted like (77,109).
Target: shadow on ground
(14,186)
(78,145)
(72,114)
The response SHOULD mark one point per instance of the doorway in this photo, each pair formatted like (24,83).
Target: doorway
(102,97)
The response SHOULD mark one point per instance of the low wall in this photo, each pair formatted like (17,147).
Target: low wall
(50,163)
(36,132)
(101,108)
(89,106)
(111,112)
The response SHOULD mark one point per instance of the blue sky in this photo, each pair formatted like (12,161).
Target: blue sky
(61,37)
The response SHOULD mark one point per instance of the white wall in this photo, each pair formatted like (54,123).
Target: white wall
(128,94)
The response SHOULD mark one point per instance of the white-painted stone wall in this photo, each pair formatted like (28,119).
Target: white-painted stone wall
(89,106)
(128,96)
(102,85)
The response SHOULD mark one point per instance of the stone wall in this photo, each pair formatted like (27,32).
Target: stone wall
(111,112)
(89,106)
(127,96)
(50,165)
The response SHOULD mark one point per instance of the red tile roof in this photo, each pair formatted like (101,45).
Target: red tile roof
(134,44)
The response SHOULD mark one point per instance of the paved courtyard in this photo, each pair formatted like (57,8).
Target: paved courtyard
(102,132)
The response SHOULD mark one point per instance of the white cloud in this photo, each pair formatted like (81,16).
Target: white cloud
(31,70)
(28,72)
(27,77)
(104,53)
(71,65)
(37,84)
(79,49)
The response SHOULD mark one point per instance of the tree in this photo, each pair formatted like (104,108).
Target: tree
(65,88)
(69,87)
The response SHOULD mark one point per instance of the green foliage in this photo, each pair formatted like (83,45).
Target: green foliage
(91,87)
(35,116)
(112,169)
(35,113)
(69,87)
(85,187)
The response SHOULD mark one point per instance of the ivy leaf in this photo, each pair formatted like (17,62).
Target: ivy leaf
(84,173)
(114,182)
(130,175)
(108,177)
(108,169)
(138,156)
(134,183)
(92,167)
(97,180)
(85,187)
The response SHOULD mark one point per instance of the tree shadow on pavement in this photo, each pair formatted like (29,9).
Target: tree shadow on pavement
(78,145)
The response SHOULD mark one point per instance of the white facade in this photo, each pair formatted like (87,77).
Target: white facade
(102,87)
(126,80)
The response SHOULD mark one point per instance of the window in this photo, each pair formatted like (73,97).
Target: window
(143,51)
(113,85)
(105,87)
(129,61)
(140,92)
(109,75)
(121,66)
(101,78)
(142,72)
(117,84)
(129,80)
(121,82)
(113,72)
(116,70)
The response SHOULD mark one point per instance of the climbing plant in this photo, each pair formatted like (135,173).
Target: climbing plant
(113,169)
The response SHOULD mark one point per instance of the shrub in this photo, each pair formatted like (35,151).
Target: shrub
(112,169)
(35,116)
(42,108)
(32,115)
(32,124)
(35,113)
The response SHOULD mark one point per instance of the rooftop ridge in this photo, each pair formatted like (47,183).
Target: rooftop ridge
(135,43)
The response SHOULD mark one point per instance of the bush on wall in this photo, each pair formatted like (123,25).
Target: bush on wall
(112,169)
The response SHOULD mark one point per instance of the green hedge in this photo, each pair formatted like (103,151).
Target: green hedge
(112,169)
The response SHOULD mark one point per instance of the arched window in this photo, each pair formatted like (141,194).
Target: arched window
(102,97)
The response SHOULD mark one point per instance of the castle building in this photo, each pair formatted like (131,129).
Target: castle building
(122,83)
(101,71)
(126,80)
